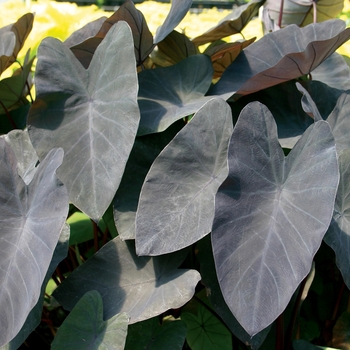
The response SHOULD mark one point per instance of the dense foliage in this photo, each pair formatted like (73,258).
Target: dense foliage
(156,193)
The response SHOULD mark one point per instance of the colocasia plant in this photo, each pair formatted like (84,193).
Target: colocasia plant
(159,195)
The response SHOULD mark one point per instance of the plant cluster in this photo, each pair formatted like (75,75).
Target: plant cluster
(156,196)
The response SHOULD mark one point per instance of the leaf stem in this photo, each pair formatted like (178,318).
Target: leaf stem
(314,5)
(280,332)
(8,116)
(280,14)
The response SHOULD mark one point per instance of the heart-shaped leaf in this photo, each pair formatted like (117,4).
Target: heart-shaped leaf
(338,235)
(143,287)
(231,24)
(281,56)
(84,327)
(84,112)
(171,93)
(31,220)
(151,335)
(301,12)
(173,49)
(269,220)
(177,12)
(205,331)
(144,152)
(176,205)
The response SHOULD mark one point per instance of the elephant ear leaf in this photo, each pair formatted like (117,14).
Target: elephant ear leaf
(31,220)
(262,243)
(176,205)
(83,111)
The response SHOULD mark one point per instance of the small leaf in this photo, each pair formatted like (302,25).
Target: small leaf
(223,55)
(308,104)
(176,205)
(84,328)
(281,56)
(84,112)
(177,12)
(31,220)
(205,331)
(81,228)
(7,45)
(262,242)
(143,287)
(25,154)
(152,335)
(231,24)
(171,93)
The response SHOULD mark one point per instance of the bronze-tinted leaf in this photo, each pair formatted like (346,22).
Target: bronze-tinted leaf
(224,54)
(281,56)
(7,44)
(173,49)
(143,39)
(85,50)
(231,24)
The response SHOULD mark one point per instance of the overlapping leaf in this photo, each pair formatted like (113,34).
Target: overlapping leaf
(281,56)
(7,45)
(173,49)
(142,37)
(143,287)
(231,24)
(31,219)
(176,205)
(144,152)
(152,335)
(84,327)
(177,12)
(301,12)
(271,214)
(171,93)
(92,114)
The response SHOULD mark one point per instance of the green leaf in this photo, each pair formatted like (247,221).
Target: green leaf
(92,114)
(84,328)
(205,331)
(262,242)
(81,228)
(171,93)
(176,205)
(152,335)
(143,287)
(304,345)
